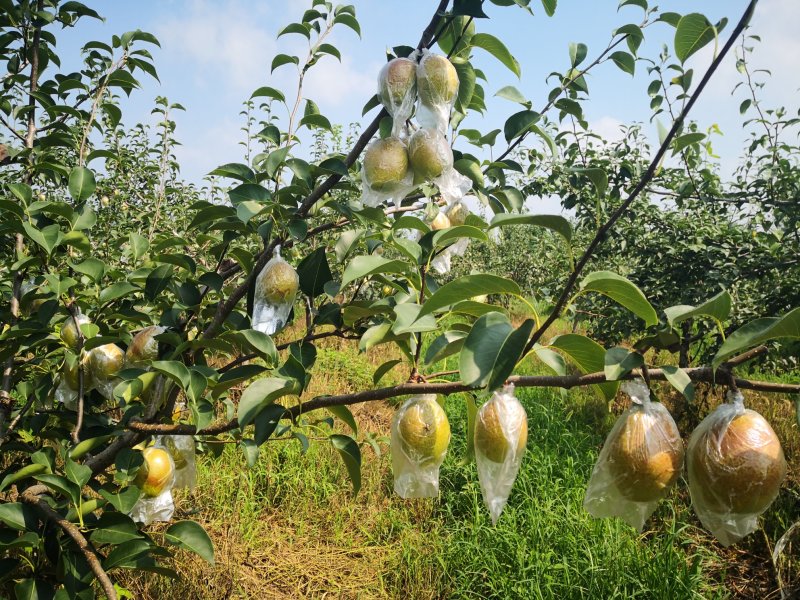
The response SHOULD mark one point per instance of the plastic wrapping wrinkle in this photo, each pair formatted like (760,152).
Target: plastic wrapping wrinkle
(181,448)
(437,87)
(385,172)
(641,459)
(397,91)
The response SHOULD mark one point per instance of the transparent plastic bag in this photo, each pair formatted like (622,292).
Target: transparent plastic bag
(181,448)
(144,347)
(640,461)
(275,293)
(431,159)
(437,87)
(736,466)
(456,214)
(385,172)
(156,478)
(501,432)
(103,363)
(420,436)
(397,90)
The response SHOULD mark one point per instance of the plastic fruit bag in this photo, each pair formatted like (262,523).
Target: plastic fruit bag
(501,432)
(736,466)
(420,436)
(397,90)
(144,347)
(181,448)
(276,290)
(437,86)
(155,478)
(385,172)
(640,461)
(431,159)
(456,214)
(103,363)
(67,389)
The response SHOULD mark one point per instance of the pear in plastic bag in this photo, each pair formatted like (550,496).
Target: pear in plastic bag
(437,86)
(385,172)
(397,91)
(736,466)
(155,478)
(275,292)
(501,433)
(640,461)
(420,436)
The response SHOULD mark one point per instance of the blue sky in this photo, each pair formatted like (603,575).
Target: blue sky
(215,53)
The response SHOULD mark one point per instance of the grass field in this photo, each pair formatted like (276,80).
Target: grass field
(290,528)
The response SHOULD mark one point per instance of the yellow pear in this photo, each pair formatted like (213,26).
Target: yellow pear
(386,164)
(437,80)
(738,468)
(156,473)
(105,361)
(424,430)
(397,82)
(458,213)
(144,346)
(501,425)
(429,154)
(279,283)
(644,458)
(440,222)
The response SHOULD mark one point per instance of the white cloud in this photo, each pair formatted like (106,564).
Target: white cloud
(334,84)
(226,43)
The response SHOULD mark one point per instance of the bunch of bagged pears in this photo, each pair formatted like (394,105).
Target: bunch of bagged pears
(421,434)
(167,465)
(395,165)
(734,461)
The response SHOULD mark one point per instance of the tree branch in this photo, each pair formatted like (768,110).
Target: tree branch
(603,231)
(72,531)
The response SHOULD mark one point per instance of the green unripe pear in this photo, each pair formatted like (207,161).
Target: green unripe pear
(70,330)
(437,80)
(386,164)
(397,82)
(429,154)
(105,361)
(279,283)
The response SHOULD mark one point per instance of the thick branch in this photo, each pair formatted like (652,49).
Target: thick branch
(73,532)
(651,169)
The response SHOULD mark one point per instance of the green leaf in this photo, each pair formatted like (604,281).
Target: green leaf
(351,455)
(62,485)
(509,92)
(692,33)
(191,536)
(497,49)
(467,287)
(235,171)
(314,273)
(33,589)
(577,53)
(447,344)
(510,354)
(283,59)
(718,308)
(409,320)
(621,361)
(175,370)
(685,140)
(364,266)
(260,394)
(482,347)
(680,381)
(123,500)
(92,267)
(77,473)
(126,554)
(48,237)
(384,369)
(553,360)
(268,92)
(157,281)
(116,290)
(81,184)
(549,7)
(348,20)
(26,471)
(555,223)
(597,176)
(519,123)
(472,414)
(139,245)
(621,291)
(757,332)
(588,356)
(115,528)
(624,61)
(86,446)
(453,234)
(262,344)
(343,413)
(266,422)
(18,516)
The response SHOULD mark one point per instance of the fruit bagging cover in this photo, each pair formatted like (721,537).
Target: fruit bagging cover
(181,448)
(431,159)
(385,172)
(736,466)
(420,436)
(437,87)
(155,502)
(275,292)
(501,433)
(397,90)
(456,214)
(641,459)
(103,365)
